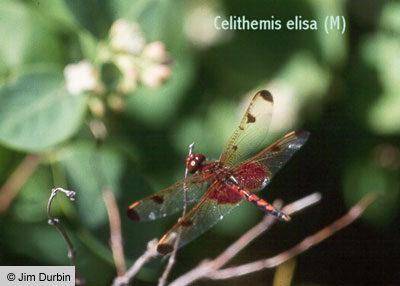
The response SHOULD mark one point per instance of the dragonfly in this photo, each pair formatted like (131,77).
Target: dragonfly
(218,186)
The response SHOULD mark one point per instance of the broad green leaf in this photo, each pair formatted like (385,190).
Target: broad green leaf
(36,112)
(26,38)
(31,203)
(91,170)
(384,115)
(94,15)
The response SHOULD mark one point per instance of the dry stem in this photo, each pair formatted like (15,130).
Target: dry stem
(150,253)
(115,231)
(56,223)
(209,269)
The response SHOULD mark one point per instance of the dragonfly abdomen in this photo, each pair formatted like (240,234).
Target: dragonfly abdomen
(260,203)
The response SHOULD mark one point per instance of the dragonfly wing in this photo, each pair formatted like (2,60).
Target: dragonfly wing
(217,203)
(252,129)
(167,201)
(258,170)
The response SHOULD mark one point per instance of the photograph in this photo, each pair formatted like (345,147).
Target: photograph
(199,142)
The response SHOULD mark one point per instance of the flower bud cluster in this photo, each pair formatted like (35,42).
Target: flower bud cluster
(137,61)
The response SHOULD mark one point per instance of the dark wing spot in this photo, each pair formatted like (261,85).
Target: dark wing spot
(185,223)
(158,199)
(132,214)
(250,118)
(276,148)
(234,147)
(266,95)
(164,248)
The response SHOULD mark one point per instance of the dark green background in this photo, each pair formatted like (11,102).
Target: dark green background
(344,89)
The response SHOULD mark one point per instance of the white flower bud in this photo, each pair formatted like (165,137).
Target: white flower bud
(116,103)
(154,75)
(155,51)
(127,37)
(126,64)
(96,106)
(81,77)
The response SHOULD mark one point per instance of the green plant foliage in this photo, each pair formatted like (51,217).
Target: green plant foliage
(26,38)
(91,171)
(94,15)
(36,112)
(368,177)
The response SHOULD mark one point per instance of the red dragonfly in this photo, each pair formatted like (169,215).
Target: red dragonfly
(226,184)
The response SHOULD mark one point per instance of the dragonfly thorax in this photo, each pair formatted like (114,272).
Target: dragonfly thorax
(194,162)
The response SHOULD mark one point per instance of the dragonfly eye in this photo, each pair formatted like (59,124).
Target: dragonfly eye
(194,162)
(199,158)
(189,159)
(193,166)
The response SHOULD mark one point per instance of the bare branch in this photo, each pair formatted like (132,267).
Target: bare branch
(354,213)
(115,231)
(150,253)
(17,179)
(56,223)
(261,227)
(171,261)
(207,267)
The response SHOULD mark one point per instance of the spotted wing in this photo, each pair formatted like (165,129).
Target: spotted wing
(252,129)
(167,201)
(219,200)
(271,159)
(214,205)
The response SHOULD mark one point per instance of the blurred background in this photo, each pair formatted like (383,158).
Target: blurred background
(109,94)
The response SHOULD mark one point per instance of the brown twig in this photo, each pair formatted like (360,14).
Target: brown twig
(207,269)
(115,231)
(150,253)
(56,223)
(171,261)
(17,179)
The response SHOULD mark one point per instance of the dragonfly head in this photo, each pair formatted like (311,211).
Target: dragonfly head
(194,162)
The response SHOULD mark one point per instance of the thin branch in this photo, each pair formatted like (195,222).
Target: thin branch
(150,253)
(115,231)
(261,227)
(354,213)
(17,179)
(56,223)
(171,261)
(206,269)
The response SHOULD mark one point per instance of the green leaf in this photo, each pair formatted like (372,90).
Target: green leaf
(36,112)
(384,116)
(155,106)
(94,15)
(26,38)
(31,203)
(91,170)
